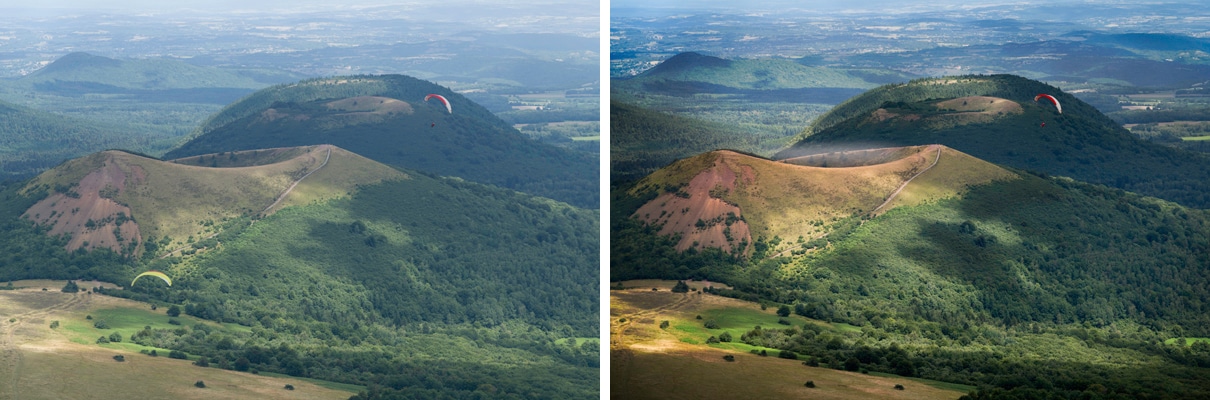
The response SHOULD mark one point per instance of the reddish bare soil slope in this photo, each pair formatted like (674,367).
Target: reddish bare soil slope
(88,212)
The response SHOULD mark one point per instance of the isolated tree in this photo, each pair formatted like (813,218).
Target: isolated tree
(174,311)
(681,287)
(71,287)
(783,311)
(115,337)
(725,337)
(712,340)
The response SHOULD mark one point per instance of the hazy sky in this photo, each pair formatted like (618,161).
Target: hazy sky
(236,5)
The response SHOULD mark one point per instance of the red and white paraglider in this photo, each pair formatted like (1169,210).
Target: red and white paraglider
(443,101)
(1052,99)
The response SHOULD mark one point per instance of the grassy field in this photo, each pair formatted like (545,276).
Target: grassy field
(1189,341)
(38,362)
(649,362)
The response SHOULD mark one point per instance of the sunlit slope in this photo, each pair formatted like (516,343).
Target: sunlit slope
(728,200)
(120,200)
(1011,129)
(385,118)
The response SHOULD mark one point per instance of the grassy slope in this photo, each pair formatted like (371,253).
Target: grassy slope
(789,201)
(163,196)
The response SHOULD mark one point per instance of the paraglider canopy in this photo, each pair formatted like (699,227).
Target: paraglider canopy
(1052,100)
(154,273)
(443,101)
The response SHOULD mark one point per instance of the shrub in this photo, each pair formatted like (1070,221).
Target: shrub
(289,387)
(100,324)
(809,384)
(174,311)
(119,358)
(711,324)
(102,340)
(664,325)
(898,387)
(54,324)
(200,384)
(115,337)
(725,337)
(202,362)
(680,287)
(177,354)
(712,340)
(729,358)
(787,354)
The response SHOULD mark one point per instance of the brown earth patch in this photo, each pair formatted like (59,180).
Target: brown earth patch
(88,212)
(698,214)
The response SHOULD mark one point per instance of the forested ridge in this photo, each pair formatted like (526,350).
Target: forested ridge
(1081,142)
(470,142)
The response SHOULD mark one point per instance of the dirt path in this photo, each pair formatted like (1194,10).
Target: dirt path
(11,359)
(283,195)
(909,180)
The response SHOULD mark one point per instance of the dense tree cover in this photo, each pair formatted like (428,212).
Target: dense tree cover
(1081,142)
(32,141)
(470,143)
(642,141)
(1023,286)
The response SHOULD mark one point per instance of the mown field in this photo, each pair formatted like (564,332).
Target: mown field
(40,362)
(675,362)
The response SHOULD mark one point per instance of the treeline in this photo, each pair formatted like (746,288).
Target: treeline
(393,364)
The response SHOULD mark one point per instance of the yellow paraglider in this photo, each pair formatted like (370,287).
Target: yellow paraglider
(154,273)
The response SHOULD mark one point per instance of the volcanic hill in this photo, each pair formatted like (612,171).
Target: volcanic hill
(385,118)
(726,199)
(995,118)
(120,200)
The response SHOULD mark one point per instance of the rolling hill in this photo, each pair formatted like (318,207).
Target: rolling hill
(324,264)
(385,118)
(146,80)
(1080,142)
(689,73)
